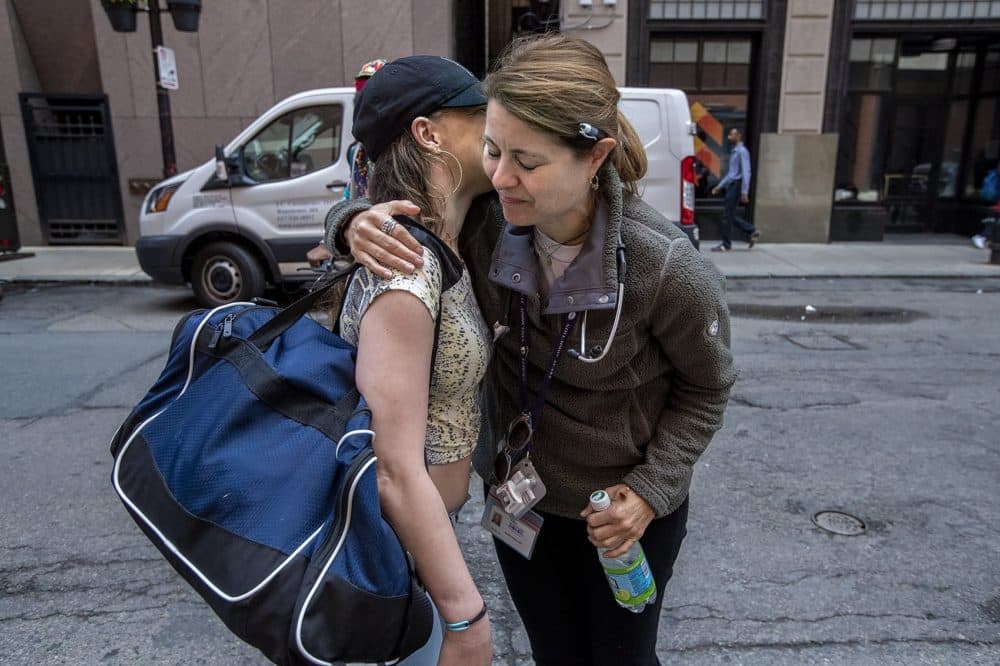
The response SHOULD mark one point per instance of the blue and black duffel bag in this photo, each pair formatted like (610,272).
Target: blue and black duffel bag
(249,465)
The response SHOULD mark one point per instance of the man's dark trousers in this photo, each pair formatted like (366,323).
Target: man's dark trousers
(729,217)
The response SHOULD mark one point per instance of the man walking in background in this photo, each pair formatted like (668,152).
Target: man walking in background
(736,185)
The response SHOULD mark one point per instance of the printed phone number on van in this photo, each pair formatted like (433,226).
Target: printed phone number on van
(299,214)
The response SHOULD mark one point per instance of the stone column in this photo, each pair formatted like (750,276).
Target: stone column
(17,70)
(796,166)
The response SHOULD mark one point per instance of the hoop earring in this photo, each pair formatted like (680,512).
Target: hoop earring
(461,172)
(594,182)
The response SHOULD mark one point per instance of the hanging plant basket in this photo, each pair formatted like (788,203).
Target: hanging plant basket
(122,15)
(185,14)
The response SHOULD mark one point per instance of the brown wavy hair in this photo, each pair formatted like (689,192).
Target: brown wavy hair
(553,83)
(402,172)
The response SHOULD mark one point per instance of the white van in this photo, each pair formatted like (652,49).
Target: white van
(230,236)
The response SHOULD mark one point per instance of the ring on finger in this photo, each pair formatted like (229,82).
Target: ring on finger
(388,225)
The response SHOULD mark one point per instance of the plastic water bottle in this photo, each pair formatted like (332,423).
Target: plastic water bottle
(628,574)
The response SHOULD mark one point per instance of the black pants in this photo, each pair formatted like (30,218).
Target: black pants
(729,216)
(565,601)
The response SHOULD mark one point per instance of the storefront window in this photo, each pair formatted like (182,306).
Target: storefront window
(984,147)
(991,72)
(861,159)
(871,64)
(715,73)
(952,156)
(906,138)
(965,64)
(985,152)
(706,9)
(924,73)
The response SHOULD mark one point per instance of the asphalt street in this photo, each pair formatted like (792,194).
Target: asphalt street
(881,400)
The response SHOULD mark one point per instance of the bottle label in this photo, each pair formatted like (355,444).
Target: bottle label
(632,585)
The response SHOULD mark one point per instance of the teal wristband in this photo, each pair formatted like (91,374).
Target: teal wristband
(463,625)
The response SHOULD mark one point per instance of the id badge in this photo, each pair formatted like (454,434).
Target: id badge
(520,534)
(522,490)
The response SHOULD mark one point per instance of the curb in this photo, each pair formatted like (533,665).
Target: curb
(80,279)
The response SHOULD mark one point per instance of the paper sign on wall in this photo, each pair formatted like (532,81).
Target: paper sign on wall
(166,65)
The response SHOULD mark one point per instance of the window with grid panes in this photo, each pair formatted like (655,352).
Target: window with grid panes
(715,73)
(695,10)
(932,10)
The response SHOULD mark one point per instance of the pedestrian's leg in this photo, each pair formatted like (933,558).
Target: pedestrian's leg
(549,592)
(743,225)
(728,213)
(619,636)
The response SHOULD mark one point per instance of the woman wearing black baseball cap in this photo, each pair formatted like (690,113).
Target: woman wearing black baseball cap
(611,367)
(420,120)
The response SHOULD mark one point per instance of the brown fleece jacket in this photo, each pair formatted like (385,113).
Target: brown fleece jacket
(642,415)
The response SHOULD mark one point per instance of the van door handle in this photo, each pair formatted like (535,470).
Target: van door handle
(336,184)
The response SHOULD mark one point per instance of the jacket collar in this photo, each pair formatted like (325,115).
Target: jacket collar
(591,281)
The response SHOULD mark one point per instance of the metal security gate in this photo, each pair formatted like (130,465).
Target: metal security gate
(74,168)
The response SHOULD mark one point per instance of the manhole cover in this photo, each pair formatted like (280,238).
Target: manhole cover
(822,341)
(838,522)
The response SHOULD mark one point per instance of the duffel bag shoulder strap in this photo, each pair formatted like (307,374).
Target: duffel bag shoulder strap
(281,322)
(451,270)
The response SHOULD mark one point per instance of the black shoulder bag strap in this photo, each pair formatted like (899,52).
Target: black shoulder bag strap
(451,271)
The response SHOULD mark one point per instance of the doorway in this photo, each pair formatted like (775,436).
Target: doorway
(74,168)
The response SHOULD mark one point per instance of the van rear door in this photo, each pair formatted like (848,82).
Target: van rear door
(646,110)
(298,165)
(663,122)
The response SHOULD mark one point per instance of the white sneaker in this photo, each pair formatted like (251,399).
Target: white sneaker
(979,241)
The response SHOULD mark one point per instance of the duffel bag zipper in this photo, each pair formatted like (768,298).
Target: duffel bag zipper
(223,330)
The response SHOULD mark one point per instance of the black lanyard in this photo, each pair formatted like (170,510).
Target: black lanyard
(535,413)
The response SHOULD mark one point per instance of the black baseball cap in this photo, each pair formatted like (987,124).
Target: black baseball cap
(405,89)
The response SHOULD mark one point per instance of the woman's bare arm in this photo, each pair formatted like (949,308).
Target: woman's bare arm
(394,356)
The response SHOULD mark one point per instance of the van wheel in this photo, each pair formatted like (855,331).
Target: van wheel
(223,273)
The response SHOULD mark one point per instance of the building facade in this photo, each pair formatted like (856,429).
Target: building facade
(863,117)
(78,111)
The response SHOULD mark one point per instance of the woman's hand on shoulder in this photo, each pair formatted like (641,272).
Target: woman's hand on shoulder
(380,252)
(623,524)
(472,647)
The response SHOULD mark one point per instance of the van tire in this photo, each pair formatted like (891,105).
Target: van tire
(224,273)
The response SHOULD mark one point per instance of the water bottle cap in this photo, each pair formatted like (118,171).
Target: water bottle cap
(599,500)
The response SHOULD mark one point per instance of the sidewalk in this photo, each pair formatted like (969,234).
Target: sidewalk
(916,256)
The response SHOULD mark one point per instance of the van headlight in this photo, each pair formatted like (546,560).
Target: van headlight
(159,198)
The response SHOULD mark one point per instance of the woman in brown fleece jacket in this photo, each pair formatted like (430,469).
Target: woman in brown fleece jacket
(565,164)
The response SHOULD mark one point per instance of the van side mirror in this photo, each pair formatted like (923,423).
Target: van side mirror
(221,170)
